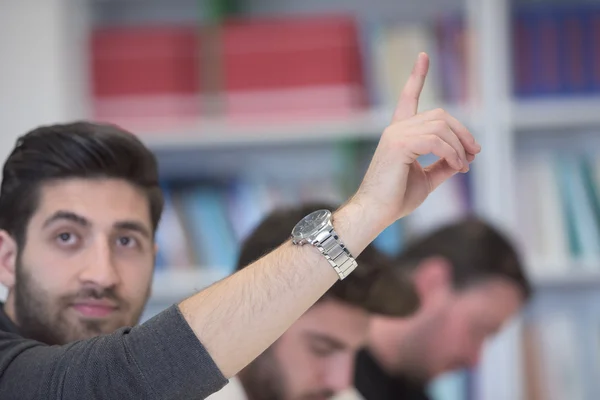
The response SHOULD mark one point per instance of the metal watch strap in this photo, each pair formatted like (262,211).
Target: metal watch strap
(336,254)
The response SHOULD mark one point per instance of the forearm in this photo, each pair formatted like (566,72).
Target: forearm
(239,317)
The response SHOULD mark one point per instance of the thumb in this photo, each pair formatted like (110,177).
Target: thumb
(439,172)
(408,103)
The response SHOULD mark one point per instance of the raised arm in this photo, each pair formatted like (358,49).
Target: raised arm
(239,317)
(188,350)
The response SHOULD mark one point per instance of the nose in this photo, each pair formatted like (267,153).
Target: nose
(340,375)
(99,267)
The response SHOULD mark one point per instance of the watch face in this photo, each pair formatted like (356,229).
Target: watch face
(311,223)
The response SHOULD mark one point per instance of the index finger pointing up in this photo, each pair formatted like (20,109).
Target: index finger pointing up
(408,103)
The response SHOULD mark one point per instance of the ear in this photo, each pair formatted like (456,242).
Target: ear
(433,278)
(8,259)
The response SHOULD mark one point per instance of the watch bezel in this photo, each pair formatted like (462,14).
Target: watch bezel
(303,235)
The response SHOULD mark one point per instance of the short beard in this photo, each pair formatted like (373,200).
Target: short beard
(39,318)
(262,379)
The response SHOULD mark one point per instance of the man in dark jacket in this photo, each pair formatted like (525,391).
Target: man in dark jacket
(470,281)
(79,205)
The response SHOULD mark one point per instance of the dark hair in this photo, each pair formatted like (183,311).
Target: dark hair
(475,249)
(375,285)
(74,150)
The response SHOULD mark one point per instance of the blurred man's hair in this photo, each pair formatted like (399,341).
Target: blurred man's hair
(75,150)
(375,285)
(476,250)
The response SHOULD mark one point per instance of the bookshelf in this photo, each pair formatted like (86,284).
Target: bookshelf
(222,132)
(208,133)
(502,121)
(556,114)
(173,285)
(572,281)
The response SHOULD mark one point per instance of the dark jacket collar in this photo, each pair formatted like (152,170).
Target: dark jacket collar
(6,324)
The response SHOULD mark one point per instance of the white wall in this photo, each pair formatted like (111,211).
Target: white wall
(42,79)
(40,65)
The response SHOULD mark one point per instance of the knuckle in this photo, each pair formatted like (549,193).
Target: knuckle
(435,141)
(439,113)
(439,125)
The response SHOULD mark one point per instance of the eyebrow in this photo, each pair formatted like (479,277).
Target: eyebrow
(84,222)
(133,226)
(328,340)
(66,215)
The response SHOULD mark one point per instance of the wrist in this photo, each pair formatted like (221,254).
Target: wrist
(357,225)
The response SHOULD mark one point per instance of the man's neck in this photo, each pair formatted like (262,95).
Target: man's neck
(383,343)
(393,345)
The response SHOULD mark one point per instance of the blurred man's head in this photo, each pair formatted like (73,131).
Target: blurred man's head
(470,281)
(79,206)
(314,358)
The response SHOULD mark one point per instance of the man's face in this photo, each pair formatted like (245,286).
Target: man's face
(313,359)
(87,262)
(451,333)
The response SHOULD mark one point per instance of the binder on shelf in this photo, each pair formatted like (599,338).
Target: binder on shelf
(560,213)
(145,71)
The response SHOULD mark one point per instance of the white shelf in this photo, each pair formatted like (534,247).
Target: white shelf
(217,132)
(175,284)
(571,281)
(564,274)
(207,133)
(557,113)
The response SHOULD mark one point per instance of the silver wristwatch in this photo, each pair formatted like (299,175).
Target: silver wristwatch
(317,229)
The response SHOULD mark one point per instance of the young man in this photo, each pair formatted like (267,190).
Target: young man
(314,358)
(470,281)
(79,204)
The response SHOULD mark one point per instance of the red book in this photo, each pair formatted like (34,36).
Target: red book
(287,52)
(137,61)
(292,63)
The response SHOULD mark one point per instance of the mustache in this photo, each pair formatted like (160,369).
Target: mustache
(96,293)
(325,394)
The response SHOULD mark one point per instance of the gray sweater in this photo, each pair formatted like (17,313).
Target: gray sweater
(160,359)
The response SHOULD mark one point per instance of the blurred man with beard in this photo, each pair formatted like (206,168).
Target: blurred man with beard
(314,358)
(470,282)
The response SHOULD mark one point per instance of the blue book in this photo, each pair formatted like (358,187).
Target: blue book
(370,33)
(575,49)
(209,225)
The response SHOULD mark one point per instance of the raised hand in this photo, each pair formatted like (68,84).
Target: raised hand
(395,183)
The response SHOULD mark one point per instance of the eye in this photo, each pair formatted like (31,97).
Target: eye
(66,238)
(321,350)
(126,241)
